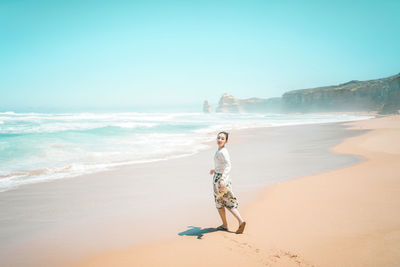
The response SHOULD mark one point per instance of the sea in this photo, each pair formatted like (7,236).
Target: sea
(40,147)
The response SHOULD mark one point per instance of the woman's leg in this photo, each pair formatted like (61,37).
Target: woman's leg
(221,212)
(236,213)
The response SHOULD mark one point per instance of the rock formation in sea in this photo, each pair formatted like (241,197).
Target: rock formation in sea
(381,95)
(229,103)
(207,108)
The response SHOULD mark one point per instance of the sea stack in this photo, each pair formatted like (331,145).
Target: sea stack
(228,103)
(207,108)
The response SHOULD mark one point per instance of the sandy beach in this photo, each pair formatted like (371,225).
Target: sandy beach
(110,115)
(335,206)
(343,217)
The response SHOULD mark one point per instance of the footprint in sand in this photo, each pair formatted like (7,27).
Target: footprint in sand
(271,257)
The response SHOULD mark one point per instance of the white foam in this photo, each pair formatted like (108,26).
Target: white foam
(13,180)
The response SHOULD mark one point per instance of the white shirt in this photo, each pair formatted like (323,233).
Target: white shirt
(222,162)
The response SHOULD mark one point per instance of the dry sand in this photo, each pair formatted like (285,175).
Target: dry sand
(344,217)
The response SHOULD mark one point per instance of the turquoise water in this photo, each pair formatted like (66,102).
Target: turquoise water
(36,147)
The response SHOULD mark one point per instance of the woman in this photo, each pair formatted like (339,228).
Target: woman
(223,195)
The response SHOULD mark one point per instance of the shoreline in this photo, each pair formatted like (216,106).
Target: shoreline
(343,217)
(42,175)
(118,196)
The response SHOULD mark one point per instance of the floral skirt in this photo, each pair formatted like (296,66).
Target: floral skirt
(224,198)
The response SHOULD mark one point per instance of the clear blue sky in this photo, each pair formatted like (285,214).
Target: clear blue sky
(127,54)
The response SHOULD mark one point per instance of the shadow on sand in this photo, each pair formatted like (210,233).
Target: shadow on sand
(197,231)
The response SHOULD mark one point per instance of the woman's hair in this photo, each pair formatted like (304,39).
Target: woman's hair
(226,135)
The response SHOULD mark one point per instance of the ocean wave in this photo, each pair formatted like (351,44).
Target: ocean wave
(12,180)
(140,116)
(63,126)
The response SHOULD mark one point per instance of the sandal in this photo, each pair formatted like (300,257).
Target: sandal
(222,228)
(241,228)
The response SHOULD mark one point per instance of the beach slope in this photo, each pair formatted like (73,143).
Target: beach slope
(344,217)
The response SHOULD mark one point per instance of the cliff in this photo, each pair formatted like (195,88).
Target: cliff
(382,95)
(374,95)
